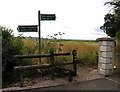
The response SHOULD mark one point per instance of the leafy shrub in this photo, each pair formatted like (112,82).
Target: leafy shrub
(10,46)
(118,42)
(53,43)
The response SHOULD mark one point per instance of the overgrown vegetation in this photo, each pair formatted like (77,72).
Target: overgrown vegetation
(10,47)
(87,53)
(118,42)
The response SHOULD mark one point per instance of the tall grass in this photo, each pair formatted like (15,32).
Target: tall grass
(87,52)
(87,55)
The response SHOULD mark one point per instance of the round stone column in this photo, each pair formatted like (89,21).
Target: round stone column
(106,55)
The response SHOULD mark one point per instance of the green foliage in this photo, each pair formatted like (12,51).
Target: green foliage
(118,35)
(53,43)
(89,59)
(10,47)
(118,42)
(29,48)
(112,20)
(48,45)
(87,54)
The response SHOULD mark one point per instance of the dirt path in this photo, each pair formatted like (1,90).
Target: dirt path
(83,74)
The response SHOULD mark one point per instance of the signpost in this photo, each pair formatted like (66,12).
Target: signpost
(43,17)
(48,17)
(27,28)
(36,28)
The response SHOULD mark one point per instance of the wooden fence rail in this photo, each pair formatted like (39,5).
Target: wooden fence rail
(41,56)
(52,64)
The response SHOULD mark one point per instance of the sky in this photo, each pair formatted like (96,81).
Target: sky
(78,19)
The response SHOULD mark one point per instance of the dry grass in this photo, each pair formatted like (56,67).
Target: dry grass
(87,52)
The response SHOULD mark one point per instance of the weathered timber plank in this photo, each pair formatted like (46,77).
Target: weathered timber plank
(41,56)
(32,67)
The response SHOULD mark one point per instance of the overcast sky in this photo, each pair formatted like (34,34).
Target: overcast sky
(78,19)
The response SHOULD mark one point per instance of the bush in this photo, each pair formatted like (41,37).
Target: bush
(10,46)
(118,42)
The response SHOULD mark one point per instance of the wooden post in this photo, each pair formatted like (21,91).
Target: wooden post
(52,65)
(74,53)
(21,82)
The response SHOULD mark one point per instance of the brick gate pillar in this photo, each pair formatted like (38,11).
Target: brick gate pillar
(106,55)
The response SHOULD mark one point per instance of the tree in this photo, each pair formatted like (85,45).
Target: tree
(112,20)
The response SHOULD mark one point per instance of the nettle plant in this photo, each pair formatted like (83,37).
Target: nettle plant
(53,43)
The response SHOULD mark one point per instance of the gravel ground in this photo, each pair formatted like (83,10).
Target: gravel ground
(83,74)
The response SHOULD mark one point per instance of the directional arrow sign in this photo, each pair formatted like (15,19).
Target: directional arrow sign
(27,28)
(48,17)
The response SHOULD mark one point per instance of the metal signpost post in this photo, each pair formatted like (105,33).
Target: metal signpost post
(39,34)
(43,17)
